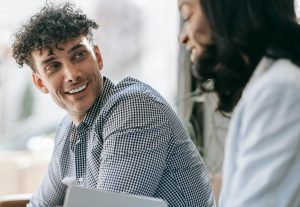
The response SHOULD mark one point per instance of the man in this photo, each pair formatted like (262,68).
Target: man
(118,138)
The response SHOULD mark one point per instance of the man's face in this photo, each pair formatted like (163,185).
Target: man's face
(71,74)
(195,32)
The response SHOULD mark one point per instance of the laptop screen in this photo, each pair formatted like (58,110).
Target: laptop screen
(83,197)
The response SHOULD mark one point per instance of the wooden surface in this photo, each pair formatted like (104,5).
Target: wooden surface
(18,200)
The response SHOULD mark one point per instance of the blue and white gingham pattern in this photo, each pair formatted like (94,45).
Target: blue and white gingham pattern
(130,141)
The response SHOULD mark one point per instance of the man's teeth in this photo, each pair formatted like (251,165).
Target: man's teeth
(76,90)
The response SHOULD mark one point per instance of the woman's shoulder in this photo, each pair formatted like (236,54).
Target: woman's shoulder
(281,75)
(283,71)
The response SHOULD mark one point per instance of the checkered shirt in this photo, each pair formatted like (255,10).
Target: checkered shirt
(129,141)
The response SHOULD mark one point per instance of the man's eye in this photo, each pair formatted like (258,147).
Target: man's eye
(80,55)
(52,67)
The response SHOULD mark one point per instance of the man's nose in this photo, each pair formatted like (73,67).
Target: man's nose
(72,73)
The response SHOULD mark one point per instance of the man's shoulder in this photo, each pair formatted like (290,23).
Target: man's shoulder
(66,121)
(131,88)
(132,85)
(64,127)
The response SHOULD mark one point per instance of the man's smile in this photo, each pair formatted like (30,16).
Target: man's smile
(78,89)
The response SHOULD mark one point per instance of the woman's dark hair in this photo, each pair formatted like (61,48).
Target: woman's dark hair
(52,25)
(243,32)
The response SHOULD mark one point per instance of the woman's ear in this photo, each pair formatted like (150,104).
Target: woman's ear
(38,82)
(98,57)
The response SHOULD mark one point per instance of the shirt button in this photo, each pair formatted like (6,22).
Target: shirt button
(81,182)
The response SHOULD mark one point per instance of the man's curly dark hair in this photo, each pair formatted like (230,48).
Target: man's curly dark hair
(52,25)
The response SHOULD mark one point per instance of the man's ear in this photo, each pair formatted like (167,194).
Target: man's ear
(98,56)
(38,82)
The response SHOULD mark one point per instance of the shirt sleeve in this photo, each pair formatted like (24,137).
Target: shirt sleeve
(268,159)
(134,154)
(52,190)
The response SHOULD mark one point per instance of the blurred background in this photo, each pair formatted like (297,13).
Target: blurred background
(138,38)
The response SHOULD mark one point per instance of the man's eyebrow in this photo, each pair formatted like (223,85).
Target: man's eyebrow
(75,47)
(48,60)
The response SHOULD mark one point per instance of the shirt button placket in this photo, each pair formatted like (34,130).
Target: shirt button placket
(80,155)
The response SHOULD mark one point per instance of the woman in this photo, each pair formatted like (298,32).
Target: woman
(249,50)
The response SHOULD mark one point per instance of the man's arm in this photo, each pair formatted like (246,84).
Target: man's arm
(135,147)
(52,190)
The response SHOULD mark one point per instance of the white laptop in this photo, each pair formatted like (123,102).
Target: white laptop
(82,197)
